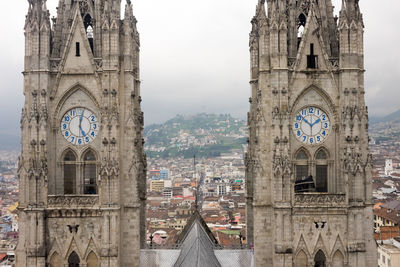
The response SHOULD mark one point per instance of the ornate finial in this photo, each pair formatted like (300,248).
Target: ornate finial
(128,2)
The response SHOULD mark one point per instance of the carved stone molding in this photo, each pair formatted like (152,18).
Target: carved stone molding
(72,201)
(99,64)
(292,62)
(354,247)
(55,64)
(84,7)
(334,63)
(73,213)
(320,200)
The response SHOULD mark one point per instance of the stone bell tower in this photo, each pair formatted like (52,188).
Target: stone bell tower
(309,199)
(82,165)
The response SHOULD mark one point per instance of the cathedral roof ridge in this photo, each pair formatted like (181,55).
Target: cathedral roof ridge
(197,244)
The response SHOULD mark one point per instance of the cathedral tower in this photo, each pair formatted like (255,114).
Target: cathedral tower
(82,165)
(309,199)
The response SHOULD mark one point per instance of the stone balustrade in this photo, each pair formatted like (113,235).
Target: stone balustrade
(319,200)
(73,201)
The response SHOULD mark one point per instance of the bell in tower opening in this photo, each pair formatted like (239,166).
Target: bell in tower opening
(82,166)
(309,185)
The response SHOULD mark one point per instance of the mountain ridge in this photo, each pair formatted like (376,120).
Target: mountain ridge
(206,135)
(394,116)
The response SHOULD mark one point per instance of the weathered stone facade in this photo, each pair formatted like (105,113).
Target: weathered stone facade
(294,71)
(87,58)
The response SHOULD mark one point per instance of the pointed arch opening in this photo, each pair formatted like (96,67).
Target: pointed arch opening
(321,170)
(92,260)
(301,24)
(70,168)
(89,172)
(301,259)
(73,260)
(320,259)
(304,181)
(87,21)
(55,260)
(338,259)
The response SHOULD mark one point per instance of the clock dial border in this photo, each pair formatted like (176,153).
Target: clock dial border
(79,126)
(311,125)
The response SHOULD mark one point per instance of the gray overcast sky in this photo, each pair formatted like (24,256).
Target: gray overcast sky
(194,57)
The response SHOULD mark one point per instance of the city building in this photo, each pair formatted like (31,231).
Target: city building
(389,253)
(164,174)
(386,214)
(309,169)
(388,167)
(156,186)
(83,171)
(82,165)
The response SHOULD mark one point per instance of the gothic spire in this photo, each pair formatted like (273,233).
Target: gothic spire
(260,10)
(38,12)
(350,11)
(129,14)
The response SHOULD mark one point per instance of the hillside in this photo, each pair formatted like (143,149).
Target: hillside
(206,135)
(393,117)
(386,128)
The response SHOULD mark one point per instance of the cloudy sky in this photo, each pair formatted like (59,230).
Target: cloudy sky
(195,58)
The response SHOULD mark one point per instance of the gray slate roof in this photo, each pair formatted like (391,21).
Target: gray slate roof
(197,245)
(197,248)
(393,205)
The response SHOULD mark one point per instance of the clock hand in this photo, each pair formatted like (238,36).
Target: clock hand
(306,121)
(80,124)
(316,122)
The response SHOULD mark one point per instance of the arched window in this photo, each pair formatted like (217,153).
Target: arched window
(69,173)
(320,259)
(89,173)
(321,154)
(92,260)
(302,20)
(73,260)
(304,181)
(321,171)
(89,29)
(301,165)
(301,259)
(55,260)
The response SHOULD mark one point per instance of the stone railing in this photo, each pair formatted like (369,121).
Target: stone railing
(73,201)
(319,200)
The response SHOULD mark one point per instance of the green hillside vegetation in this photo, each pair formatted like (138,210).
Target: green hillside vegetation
(206,135)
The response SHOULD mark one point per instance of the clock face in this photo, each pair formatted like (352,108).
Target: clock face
(79,126)
(311,125)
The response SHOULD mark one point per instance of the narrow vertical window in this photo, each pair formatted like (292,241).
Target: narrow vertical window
(321,169)
(312,59)
(304,181)
(69,173)
(78,49)
(322,178)
(89,30)
(89,173)
(320,259)
(300,28)
(73,260)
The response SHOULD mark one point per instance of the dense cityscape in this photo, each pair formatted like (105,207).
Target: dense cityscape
(215,186)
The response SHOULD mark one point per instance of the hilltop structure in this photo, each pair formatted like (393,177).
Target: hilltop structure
(82,165)
(308,165)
